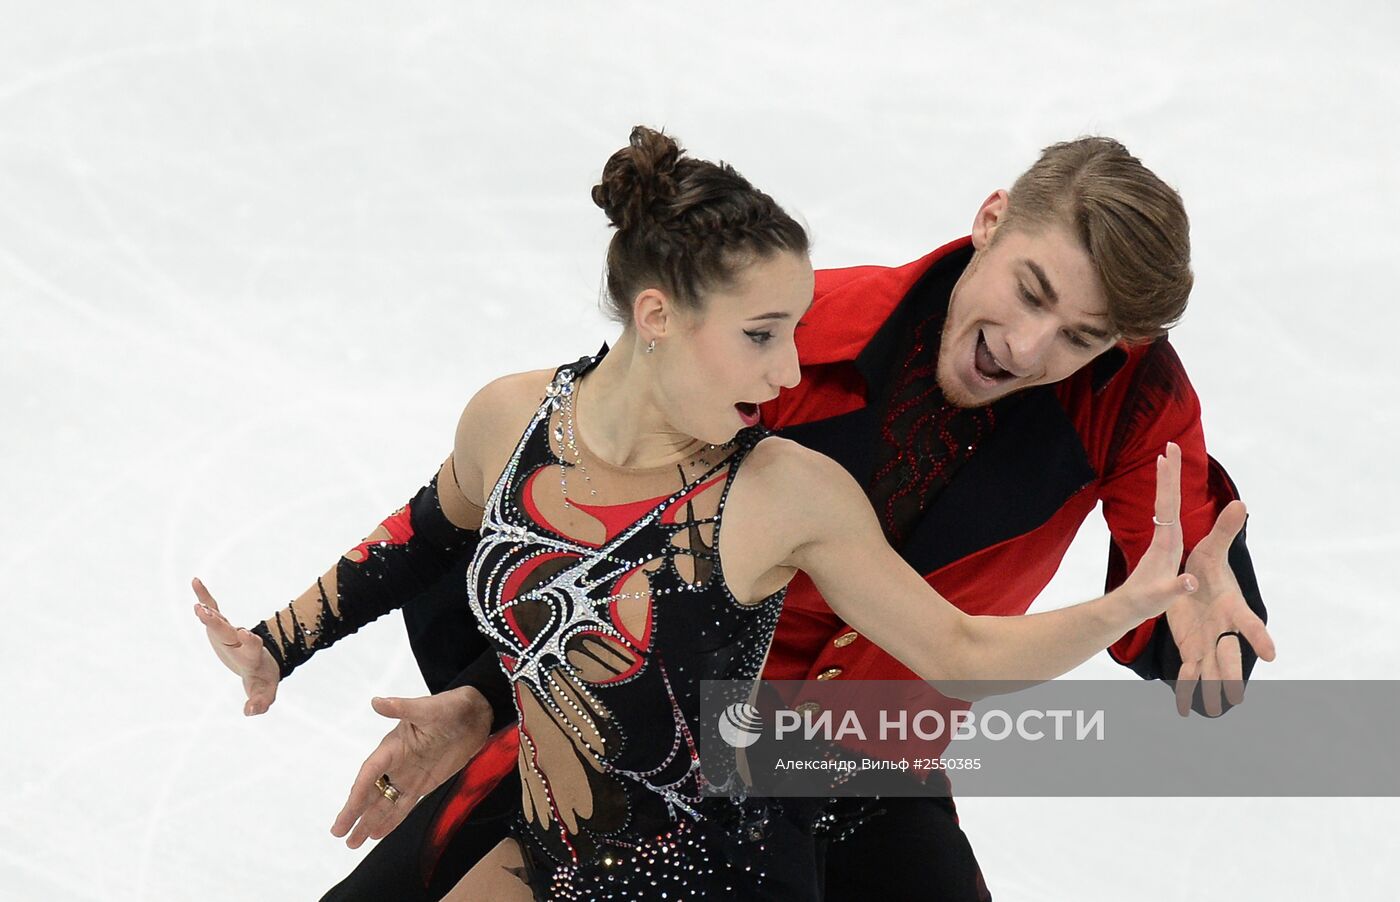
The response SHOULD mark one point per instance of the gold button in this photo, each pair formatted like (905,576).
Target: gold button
(845,639)
(807,708)
(830,673)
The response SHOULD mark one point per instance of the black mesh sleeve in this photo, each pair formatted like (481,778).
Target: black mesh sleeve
(411,551)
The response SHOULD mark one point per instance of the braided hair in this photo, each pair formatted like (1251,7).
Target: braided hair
(684,225)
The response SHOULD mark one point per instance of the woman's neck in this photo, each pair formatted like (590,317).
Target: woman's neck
(617,415)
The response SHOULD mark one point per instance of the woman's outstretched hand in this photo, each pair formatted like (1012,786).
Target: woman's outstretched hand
(1157,582)
(241,651)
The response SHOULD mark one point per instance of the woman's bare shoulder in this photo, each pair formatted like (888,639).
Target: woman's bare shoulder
(802,486)
(782,465)
(504,405)
(784,496)
(491,424)
(506,394)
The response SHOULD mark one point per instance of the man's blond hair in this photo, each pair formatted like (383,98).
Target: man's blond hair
(1132,224)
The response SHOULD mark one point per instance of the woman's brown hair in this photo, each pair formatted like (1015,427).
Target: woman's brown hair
(684,225)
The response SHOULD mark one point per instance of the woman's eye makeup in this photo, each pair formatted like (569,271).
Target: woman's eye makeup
(759,336)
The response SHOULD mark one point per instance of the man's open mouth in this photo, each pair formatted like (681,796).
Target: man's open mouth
(986,365)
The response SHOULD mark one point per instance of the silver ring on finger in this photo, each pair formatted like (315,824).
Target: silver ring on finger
(1162,522)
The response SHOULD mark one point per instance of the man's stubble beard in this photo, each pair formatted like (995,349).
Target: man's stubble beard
(948,384)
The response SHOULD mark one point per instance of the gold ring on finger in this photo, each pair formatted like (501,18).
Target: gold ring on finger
(385,786)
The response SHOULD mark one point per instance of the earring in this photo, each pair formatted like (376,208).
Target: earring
(651,346)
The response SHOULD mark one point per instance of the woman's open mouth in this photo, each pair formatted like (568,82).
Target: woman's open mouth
(747,412)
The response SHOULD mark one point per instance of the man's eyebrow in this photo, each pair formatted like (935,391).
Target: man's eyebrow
(1045,286)
(1049,291)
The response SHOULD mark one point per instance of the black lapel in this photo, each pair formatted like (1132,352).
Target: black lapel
(849,439)
(926,298)
(1025,471)
(1105,366)
(1031,464)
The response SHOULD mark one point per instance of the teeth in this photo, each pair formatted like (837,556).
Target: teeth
(1004,370)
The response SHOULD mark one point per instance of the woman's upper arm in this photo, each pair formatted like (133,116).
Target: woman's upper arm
(488,428)
(461,481)
(842,548)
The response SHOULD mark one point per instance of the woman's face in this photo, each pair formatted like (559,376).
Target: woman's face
(715,367)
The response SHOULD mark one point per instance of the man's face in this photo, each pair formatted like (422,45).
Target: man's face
(1028,310)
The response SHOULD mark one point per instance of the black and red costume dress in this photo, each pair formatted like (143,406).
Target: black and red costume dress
(600,590)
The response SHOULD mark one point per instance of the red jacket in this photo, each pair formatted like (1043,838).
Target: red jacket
(993,538)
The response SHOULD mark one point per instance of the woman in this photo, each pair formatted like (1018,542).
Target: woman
(593,498)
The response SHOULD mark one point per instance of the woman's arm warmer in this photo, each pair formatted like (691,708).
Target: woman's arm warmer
(406,554)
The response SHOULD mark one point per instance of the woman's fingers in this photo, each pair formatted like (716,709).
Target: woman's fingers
(230,637)
(261,694)
(203,595)
(240,650)
(1168,505)
(220,630)
(1156,578)
(1166,517)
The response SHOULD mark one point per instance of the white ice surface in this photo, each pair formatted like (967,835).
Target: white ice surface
(254,257)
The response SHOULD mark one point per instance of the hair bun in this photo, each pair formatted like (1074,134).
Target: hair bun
(637,177)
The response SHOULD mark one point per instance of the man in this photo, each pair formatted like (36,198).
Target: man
(988,396)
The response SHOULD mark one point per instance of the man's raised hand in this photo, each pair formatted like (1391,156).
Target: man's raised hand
(1202,625)
(435,737)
